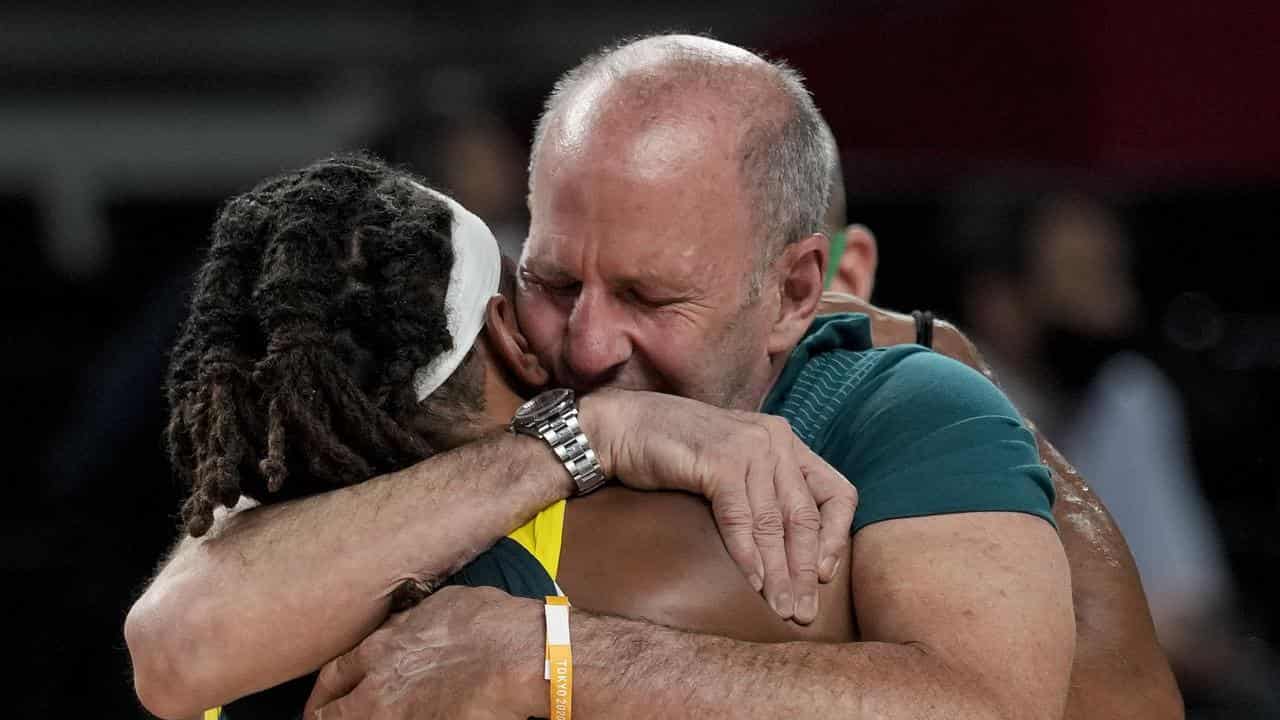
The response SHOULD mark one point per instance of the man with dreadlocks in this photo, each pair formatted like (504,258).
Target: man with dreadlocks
(322,294)
(342,328)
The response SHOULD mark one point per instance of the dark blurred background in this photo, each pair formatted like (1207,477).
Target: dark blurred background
(123,127)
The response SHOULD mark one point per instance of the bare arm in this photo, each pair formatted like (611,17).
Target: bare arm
(259,601)
(1120,670)
(277,591)
(963,616)
(958,621)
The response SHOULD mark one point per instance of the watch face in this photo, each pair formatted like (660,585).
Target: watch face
(543,405)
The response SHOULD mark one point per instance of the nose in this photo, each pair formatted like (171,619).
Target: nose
(598,345)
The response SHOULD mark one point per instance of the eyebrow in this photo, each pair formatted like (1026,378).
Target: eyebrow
(637,278)
(648,278)
(543,271)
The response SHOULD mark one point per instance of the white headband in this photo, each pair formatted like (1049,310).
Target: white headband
(477,265)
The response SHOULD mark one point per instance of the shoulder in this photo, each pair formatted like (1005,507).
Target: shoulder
(908,399)
(910,395)
(924,435)
(842,393)
(917,384)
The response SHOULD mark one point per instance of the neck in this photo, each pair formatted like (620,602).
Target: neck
(776,365)
(500,399)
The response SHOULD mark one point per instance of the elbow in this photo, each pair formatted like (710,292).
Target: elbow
(162,670)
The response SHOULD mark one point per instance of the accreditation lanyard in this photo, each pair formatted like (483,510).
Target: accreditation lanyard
(559,659)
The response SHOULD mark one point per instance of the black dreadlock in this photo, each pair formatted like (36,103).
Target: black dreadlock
(322,292)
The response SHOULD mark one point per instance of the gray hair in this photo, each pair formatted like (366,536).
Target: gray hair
(787,157)
(837,215)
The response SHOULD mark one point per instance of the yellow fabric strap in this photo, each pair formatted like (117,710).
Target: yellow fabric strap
(559,663)
(542,537)
(212,713)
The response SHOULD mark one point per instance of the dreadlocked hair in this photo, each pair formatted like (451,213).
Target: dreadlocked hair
(322,292)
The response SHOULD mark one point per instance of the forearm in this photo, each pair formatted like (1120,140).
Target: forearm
(631,669)
(277,591)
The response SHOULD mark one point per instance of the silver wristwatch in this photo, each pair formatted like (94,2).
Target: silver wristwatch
(553,416)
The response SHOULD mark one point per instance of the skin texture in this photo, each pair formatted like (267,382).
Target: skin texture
(625,668)
(612,294)
(656,557)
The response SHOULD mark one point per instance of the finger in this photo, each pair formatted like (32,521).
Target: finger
(837,501)
(336,679)
(801,521)
(732,512)
(837,520)
(768,533)
(350,706)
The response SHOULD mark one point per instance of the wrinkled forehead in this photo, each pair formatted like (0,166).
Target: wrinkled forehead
(638,234)
(662,200)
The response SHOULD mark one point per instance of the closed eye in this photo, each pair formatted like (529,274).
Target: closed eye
(569,289)
(560,288)
(650,301)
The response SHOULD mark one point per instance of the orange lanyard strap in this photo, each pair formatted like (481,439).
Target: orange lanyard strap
(559,661)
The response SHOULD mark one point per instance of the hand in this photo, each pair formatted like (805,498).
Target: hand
(462,652)
(783,512)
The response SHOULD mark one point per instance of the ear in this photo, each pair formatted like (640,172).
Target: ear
(799,271)
(510,345)
(856,268)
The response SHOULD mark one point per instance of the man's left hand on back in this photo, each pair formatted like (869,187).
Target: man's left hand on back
(462,652)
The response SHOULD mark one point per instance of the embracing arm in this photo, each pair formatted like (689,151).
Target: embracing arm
(277,591)
(962,616)
(259,601)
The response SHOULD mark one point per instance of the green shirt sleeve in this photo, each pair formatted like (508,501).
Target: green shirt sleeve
(926,435)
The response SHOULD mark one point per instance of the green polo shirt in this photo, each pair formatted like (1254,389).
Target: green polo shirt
(916,432)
